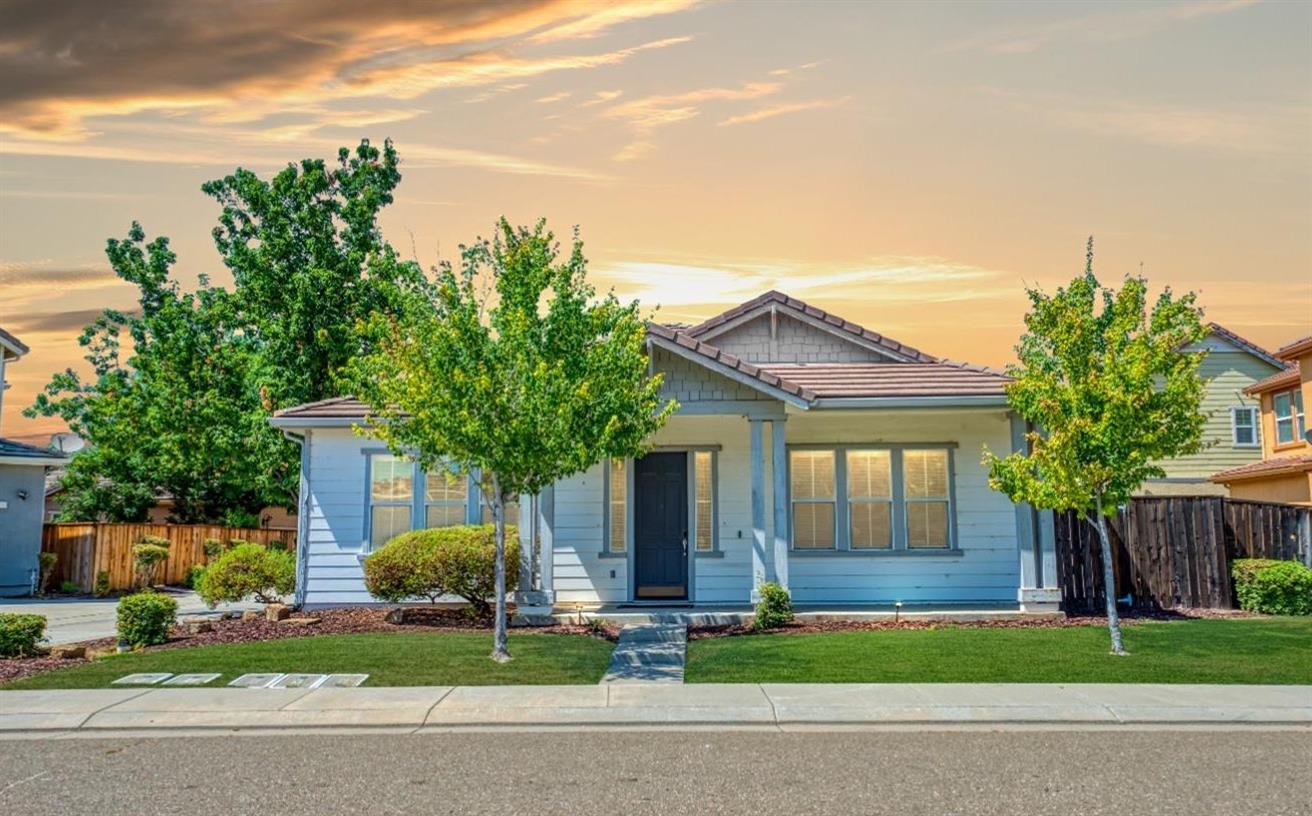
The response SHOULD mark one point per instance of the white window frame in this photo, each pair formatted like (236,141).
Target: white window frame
(714,550)
(836,500)
(471,496)
(1295,416)
(907,501)
(1256,424)
(370,455)
(891,500)
(608,508)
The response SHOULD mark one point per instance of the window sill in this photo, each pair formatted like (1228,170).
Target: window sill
(1286,446)
(949,553)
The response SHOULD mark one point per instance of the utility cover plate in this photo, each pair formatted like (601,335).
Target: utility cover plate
(343,680)
(142,679)
(290,681)
(255,680)
(192,679)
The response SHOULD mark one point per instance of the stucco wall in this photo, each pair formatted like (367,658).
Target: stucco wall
(20,526)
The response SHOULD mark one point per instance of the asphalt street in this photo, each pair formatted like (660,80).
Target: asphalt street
(661,772)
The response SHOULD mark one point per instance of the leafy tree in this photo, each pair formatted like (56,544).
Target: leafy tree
(1106,381)
(309,264)
(176,415)
(521,383)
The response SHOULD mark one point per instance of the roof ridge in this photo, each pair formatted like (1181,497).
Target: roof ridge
(1248,345)
(317,403)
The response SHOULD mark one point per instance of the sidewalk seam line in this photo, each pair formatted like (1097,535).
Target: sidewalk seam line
(423,722)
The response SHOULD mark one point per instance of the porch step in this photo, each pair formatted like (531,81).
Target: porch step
(648,654)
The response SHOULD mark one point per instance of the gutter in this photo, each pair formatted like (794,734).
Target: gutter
(999,400)
(302,517)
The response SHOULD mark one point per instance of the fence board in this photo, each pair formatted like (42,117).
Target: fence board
(84,550)
(1175,551)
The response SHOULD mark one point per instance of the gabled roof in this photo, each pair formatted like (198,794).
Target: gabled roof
(1289,376)
(332,408)
(1290,351)
(812,314)
(891,380)
(16,347)
(1245,344)
(722,362)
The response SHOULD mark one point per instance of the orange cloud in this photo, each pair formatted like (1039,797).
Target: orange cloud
(772,111)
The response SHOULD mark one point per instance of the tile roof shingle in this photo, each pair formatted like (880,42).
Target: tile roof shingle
(1266,467)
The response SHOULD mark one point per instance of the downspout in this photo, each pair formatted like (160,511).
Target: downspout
(302,517)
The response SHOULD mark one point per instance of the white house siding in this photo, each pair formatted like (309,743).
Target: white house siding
(988,568)
(335,535)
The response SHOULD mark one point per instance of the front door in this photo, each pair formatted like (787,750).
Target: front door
(660,527)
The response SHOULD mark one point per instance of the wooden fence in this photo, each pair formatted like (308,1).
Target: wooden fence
(1172,552)
(84,550)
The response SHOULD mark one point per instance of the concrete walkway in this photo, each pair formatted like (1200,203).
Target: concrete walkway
(649,653)
(72,620)
(769,706)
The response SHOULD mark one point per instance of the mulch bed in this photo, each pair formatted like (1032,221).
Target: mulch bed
(816,627)
(346,621)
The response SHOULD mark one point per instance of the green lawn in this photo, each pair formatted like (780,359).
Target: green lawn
(402,659)
(1268,650)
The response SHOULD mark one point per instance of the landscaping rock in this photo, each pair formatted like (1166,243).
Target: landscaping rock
(301,621)
(251,615)
(199,627)
(276,612)
(68,652)
(97,652)
(396,616)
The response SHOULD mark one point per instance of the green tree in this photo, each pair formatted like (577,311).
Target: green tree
(309,264)
(522,379)
(173,412)
(1105,379)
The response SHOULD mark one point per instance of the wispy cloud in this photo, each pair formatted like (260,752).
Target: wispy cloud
(646,114)
(771,111)
(214,55)
(601,98)
(1121,23)
(44,274)
(807,66)
(550,98)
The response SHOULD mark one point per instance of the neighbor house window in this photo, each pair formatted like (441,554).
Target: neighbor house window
(1243,426)
(704,500)
(617,489)
(391,497)
(925,484)
(814,497)
(870,499)
(446,499)
(510,509)
(1288,409)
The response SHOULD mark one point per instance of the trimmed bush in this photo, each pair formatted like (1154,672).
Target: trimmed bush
(20,634)
(45,566)
(443,561)
(147,554)
(101,587)
(248,569)
(774,609)
(144,618)
(213,548)
(192,579)
(1273,587)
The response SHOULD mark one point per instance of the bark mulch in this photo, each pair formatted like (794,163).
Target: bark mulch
(817,627)
(347,621)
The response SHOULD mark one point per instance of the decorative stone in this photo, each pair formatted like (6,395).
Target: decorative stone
(395,616)
(250,615)
(276,612)
(101,651)
(301,621)
(68,652)
(200,627)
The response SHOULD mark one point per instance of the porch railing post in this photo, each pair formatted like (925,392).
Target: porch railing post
(762,567)
(779,497)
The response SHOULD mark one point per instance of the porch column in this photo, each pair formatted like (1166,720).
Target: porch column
(527,543)
(782,529)
(762,565)
(1038,591)
(535,599)
(546,530)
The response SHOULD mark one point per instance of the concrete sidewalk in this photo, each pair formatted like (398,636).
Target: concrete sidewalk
(408,710)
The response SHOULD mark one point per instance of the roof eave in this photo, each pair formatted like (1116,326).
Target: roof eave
(957,401)
(315,422)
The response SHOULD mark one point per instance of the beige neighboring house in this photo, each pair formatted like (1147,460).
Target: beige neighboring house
(1284,474)
(1233,434)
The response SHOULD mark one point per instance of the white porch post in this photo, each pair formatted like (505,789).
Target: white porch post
(782,529)
(536,596)
(1038,591)
(762,566)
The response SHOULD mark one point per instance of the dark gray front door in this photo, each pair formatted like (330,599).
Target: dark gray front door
(660,526)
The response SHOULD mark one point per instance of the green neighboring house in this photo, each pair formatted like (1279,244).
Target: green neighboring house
(1233,432)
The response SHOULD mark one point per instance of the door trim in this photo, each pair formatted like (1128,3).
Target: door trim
(631,549)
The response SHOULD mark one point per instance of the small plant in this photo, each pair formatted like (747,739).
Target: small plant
(774,609)
(45,566)
(20,634)
(144,618)
(69,587)
(101,587)
(147,554)
(1273,587)
(194,573)
(245,570)
(596,627)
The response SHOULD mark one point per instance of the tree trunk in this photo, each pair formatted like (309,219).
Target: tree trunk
(1109,582)
(500,648)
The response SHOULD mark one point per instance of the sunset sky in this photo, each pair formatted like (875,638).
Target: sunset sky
(909,166)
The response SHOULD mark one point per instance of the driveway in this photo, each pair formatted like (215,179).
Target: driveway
(70,620)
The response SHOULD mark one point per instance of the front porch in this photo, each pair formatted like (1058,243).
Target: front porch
(700,615)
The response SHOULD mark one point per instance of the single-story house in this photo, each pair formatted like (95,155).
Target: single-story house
(807,450)
(22,488)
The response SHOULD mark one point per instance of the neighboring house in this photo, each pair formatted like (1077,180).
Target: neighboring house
(22,486)
(1232,434)
(1285,472)
(807,450)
